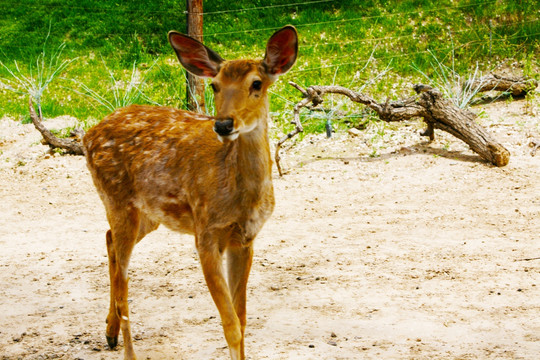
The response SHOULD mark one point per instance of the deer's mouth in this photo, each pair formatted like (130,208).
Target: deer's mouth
(227,138)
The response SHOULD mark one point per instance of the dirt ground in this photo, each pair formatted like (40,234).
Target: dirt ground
(423,251)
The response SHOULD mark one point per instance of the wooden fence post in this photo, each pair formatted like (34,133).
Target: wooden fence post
(195,85)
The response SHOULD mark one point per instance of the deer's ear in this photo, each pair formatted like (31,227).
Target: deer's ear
(194,56)
(281,51)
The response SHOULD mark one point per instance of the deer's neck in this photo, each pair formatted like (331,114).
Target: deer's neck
(254,162)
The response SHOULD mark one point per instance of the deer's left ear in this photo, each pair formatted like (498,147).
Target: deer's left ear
(281,51)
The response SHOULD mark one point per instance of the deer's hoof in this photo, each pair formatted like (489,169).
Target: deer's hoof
(112,341)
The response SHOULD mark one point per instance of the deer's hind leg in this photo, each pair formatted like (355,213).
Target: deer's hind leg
(113,322)
(128,226)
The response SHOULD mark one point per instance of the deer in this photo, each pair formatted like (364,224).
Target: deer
(209,176)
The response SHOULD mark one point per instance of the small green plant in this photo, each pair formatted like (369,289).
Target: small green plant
(509,98)
(33,81)
(460,90)
(531,103)
(119,93)
(207,105)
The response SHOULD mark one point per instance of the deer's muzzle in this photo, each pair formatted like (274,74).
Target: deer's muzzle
(224,127)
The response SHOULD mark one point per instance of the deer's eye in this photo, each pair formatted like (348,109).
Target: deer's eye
(256,85)
(214,87)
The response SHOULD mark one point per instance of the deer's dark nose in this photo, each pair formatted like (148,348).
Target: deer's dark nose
(224,127)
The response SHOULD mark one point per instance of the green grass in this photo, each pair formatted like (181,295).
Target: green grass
(337,41)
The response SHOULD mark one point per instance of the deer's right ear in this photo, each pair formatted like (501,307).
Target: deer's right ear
(194,56)
(281,51)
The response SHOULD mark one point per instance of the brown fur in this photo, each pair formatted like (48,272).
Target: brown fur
(157,165)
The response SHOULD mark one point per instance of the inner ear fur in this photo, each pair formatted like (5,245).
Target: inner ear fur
(194,56)
(281,50)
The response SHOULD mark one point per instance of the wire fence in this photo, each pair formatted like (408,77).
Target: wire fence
(357,19)
(103,8)
(324,53)
(341,42)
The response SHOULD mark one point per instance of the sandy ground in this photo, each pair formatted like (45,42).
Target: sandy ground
(422,252)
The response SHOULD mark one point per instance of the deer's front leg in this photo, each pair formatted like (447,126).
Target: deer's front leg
(211,262)
(239,259)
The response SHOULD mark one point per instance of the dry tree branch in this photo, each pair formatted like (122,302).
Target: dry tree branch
(429,104)
(73,146)
(515,86)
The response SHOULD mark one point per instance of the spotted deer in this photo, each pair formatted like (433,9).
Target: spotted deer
(196,174)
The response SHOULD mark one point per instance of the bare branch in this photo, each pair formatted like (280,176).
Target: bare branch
(297,129)
(73,146)
(429,104)
(299,88)
(515,86)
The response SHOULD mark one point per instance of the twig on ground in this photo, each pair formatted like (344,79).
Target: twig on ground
(535,144)
(528,259)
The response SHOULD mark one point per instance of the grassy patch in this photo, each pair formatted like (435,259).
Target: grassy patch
(349,43)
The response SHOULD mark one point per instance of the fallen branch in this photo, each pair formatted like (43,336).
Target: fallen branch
(516,86)
(73,146)
(429,104)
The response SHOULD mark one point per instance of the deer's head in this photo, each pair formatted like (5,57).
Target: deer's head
(240,86)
